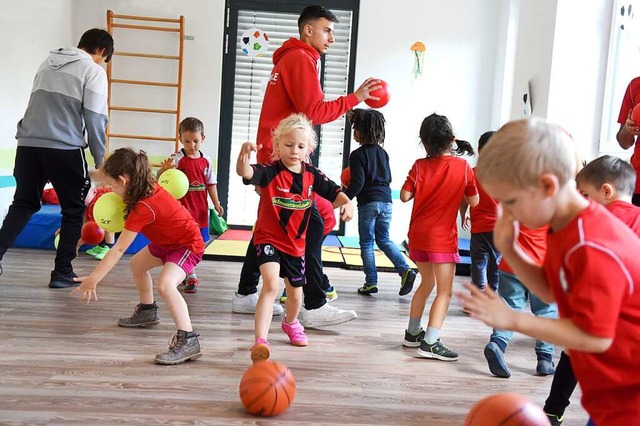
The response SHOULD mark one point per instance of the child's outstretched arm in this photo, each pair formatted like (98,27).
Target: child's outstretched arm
(346,206)
(88,284)
(243,165)
(488,307)
(164,166)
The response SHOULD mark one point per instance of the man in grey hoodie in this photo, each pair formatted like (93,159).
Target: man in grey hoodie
(68,102)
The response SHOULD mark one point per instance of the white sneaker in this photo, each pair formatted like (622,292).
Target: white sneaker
(242,304)
(325,316)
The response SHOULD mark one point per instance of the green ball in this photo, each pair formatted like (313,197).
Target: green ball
(175,182)
(109,212)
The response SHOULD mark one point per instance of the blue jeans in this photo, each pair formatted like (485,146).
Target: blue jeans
(515,294)
(484,260)
(373,222)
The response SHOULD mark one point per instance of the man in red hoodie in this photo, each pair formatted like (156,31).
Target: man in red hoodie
(294,87)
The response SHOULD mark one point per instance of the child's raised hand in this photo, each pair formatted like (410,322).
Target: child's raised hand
(87,289)
(505,230)
(488,307)
(167,164)
(246,149)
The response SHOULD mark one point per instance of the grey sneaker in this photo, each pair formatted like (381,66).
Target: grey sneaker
(181,348)
(545,368)
(495,359)
(438,350)
(325,315)
(242,304)
(141,318)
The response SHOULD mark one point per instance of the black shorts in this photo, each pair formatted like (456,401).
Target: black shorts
(291,267)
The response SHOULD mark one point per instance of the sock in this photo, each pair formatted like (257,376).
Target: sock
(188,334)
(414,325)
(145,306)
(192,275)
(432,335)
(108,245)
(501,344)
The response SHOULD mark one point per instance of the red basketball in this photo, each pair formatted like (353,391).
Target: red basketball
(267,388)
(506,409)
(382,93)
(91,233)
(345,177)
(635,115)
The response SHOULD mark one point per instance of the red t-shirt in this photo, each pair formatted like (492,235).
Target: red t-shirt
(294,87)
(483,216)
(533,242)
(438,185)
(165,222)
(326,210)
(285,204)
(628,213)
(594,273)
(199,171)
(631,99)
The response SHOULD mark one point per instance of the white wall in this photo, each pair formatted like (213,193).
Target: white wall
(30,29)
(576,90)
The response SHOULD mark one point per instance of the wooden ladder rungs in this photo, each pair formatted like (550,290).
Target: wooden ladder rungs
(146,18)
(154,110)
(146,55)
(148,28)
(144,83)
(148,138)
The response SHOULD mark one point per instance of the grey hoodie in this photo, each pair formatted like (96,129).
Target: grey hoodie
(68,100)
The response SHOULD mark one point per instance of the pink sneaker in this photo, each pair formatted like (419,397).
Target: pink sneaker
(260,351)
(295,331)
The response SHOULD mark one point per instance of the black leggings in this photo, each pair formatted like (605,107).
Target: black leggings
(314,296)
(563,385)
(67,170)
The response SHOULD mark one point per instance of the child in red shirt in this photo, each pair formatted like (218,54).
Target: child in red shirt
(437,183)
(592,272)
(286,197)
(175,245)
(609,181)
(202,182)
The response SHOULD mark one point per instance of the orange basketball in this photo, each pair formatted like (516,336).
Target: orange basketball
(345,177)
(267,388)
(506,409)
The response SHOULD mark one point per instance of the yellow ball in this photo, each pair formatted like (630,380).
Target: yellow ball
(109,212)
(175,182)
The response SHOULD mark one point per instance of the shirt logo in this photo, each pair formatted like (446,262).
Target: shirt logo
(274,78)
(290,204)
(281,189)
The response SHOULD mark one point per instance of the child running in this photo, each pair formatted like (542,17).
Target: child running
(609,181)
(202,182)
(592,272)
(288,185)
(175,245)
(437,184)
(370,179)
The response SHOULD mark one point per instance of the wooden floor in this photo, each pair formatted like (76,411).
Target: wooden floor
(64,362)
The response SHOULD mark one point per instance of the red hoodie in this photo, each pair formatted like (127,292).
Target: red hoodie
(294,87)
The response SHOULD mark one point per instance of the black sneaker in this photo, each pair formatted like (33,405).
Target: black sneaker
(411,341)
(495,359)
(141,318)
(438,350)
(554,419)
(408,279)
(368,289)
(184,346)
(59,280)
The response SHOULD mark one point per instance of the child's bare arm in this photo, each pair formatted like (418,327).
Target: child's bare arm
(405,195)
(164,166)
(346,206)
(213,194)
(488,307)
(243,166)
(465,220)
(473,200)
(88,284)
